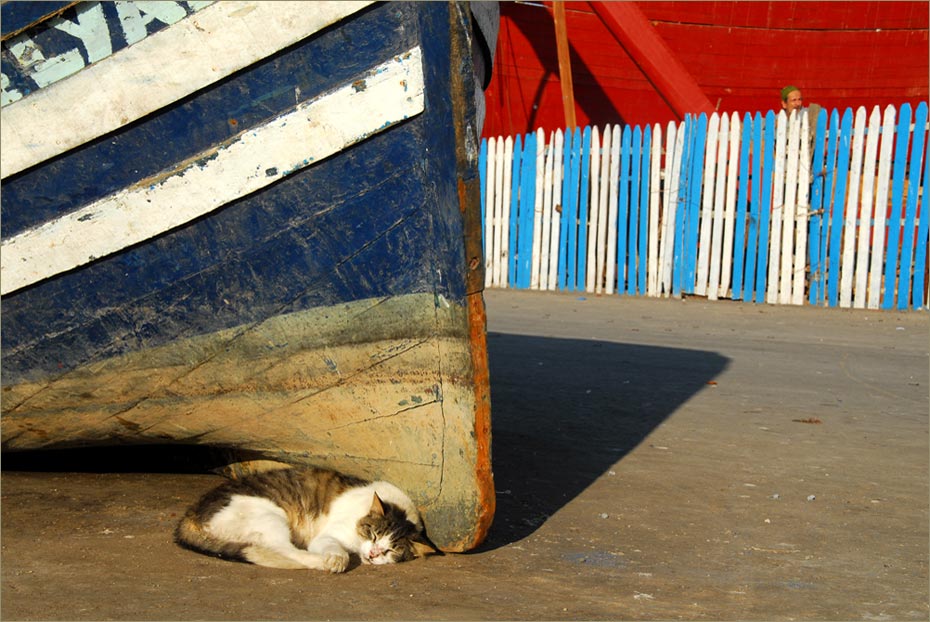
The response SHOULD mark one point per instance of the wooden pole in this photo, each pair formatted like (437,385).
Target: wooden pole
(565,64)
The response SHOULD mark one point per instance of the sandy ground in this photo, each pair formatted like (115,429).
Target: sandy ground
(654,459)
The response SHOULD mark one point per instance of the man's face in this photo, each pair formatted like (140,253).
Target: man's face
(793,102)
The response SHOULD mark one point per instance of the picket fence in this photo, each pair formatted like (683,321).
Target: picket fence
(761,209)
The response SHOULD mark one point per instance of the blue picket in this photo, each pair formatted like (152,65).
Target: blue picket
(570,212)
(482,184)
(633,230)
(623,206)
(897,196)
(562,271)
(527,201)
(907,235)
(578,223)
(583,209)
(644,211)
(833,141)
(693,213)
(742,199)
(838,209)
(681,208)
(755,196)
(816,208)
(765,205)
(515,172)
(920,257)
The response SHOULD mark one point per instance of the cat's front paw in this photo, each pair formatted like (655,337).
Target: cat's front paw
(335,562)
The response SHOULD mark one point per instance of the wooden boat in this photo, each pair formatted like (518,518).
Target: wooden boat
(640,63)
(253,226)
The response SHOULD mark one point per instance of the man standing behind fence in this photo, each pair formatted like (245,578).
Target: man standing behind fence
(792,100)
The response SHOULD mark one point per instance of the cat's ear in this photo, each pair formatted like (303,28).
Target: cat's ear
(422,546)
(377,507)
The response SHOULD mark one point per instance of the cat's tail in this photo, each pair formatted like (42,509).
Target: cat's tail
(192,534)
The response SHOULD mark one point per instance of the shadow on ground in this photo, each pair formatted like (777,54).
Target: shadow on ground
(564,411)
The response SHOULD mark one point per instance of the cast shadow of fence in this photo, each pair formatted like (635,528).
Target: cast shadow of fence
(567,410)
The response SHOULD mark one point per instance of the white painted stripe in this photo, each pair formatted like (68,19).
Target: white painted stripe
(255,158)
(162,68)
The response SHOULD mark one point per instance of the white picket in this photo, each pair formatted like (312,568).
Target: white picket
(495,241)
(860,295)
(558,154)
(707,198)
(504,245)
(538,207)
(652,264)
(788,211)
(881,207)
(730,208)
(720,187)
(614,180)
(778,206)
(676,137)
(802,214)
(591,270)
(491,168)
(847,263)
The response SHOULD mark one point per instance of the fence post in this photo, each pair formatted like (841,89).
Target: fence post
(919,293)
(897,195)
(881,209)
(914,184)
(586,142)
(632,229)
(867,211)
(679,247)
(851,213)
(814,226)
(516,182)
(614,219)
(837,204)
(527,211)
(752,238)
(642,242)
(652,269)
(742,200)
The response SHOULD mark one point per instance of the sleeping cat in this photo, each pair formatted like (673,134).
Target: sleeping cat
(305,518)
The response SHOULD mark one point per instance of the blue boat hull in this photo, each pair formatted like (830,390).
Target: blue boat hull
(203,288)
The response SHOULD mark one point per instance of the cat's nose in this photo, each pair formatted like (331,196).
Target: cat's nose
(374,552)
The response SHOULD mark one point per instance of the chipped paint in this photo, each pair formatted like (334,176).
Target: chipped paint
(154,72)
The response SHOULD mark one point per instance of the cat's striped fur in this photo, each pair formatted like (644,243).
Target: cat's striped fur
(305,518)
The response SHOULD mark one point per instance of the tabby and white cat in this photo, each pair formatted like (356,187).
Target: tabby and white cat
(305,518)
